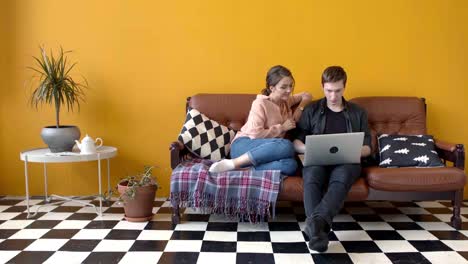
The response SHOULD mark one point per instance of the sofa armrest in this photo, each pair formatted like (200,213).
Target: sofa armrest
(451,152)
(177,153)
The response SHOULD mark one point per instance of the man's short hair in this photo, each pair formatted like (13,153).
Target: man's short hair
(334,74)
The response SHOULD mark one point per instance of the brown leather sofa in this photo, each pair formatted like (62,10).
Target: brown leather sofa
(389,115)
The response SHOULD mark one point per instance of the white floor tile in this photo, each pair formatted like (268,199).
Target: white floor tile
(395,218)
(369,258)
(222,218)
(7,216)
(110,217)
(293,258)
(464,232)
(31,202)
(192,226)
(31,233)
(352,235)
(162,217)
(457,245)
(7,255)
(155,235)
(249,227)
(430,204)
(254,247)
(286,236)
(72,224)
(16,224)
(343,218)
(3,208)
(131,225)
(216,257)
(395,246)
(91,234)
(141,258)
(220,236)
(435,226)
(90,209)
(74,203)
(445,217)
(417,235)
(67,257)
(46,245)
(413,210)
(42,209)
(111,245)
(444,257)
(464,210)
(55,216)
(183,245)
(375,226)
(333,247)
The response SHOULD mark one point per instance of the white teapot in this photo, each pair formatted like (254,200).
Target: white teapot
(87,145)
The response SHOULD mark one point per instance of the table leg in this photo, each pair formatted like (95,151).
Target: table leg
(45,182)
(26,182)
(100,191)
(108,179)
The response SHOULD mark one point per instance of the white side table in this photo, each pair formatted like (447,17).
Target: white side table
(43,155)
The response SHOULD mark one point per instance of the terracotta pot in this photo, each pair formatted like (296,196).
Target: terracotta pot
(139,209)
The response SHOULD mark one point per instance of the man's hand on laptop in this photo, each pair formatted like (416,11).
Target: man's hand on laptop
(365,151)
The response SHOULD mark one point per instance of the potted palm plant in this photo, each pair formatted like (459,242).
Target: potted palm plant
(56,87)
(137,194)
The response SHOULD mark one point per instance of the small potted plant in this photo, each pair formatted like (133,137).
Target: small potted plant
(56,87)
(137,194)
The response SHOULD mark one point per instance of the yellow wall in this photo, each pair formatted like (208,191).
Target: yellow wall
(143,58)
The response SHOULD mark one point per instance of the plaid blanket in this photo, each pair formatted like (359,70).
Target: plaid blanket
(245,194)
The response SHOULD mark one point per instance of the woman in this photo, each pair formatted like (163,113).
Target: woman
(260,141)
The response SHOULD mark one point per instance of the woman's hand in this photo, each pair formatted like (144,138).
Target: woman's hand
(288,125)
(306,97)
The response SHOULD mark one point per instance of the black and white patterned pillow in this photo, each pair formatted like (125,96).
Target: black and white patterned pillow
(408,151)
(204,137)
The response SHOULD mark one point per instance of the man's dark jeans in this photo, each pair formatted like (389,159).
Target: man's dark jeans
(326,188)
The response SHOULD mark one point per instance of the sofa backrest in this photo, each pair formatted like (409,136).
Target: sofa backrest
(387,115)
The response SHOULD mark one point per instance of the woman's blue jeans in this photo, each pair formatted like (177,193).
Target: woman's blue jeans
(267,153)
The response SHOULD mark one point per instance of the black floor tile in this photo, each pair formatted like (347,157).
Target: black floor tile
(165,210)
(188,235)
(243,258)
(44,224)
(82,216)
(149,245)
(158,203)
(6,233)
(218,246)
(404,204)
(179,257)
(123,234)
(360,246)
(430,245)
(67,209)
(449,235)
(464,254)
(290,247)
(386,210)
(104,257)
(407,258)
(220,226)
(106,224)
(61,233)
(31,257)
(195,217)
(15,209)
(384,235)
(339,226)
(332,258)
(104,203)
(439,210)
(284,226)
(253,236)
(15,244)
(80,245)
(159,225)
(115,210)
(424,218)
(9,201)
(284,210)
(405,226)
(367,218)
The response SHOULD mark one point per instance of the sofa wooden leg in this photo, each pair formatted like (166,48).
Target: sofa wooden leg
(175,214)
(457,201)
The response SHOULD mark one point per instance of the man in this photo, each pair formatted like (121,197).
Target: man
(326,187)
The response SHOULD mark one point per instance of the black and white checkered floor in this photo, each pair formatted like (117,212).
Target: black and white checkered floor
(363,232)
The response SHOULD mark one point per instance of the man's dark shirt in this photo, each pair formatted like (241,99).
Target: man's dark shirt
(335,122)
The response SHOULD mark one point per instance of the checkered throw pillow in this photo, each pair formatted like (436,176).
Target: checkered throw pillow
(204,137)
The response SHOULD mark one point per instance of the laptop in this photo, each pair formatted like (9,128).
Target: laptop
(333,149)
